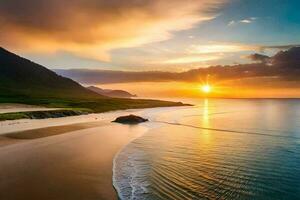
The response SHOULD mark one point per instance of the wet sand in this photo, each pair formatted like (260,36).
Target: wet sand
(25,135)
(74,165)
(51,131)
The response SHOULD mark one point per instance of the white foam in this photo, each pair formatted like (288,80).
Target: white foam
(130,173)
(130,167)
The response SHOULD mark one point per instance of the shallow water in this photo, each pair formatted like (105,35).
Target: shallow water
(218,149)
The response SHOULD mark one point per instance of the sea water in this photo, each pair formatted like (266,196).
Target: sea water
(217,149)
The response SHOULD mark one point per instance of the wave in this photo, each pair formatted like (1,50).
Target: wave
(126,171)
(129,180)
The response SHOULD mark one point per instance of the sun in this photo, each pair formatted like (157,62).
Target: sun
(206,88)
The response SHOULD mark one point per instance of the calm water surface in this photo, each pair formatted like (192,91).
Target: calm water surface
(218,149)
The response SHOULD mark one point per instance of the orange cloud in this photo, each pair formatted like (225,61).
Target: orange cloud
(285,66)
(93,28)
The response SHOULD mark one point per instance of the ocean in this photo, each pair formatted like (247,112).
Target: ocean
(216,149)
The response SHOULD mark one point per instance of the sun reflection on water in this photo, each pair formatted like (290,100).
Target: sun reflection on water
(205,120)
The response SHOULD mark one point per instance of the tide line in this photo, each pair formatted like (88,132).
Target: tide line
(228,130)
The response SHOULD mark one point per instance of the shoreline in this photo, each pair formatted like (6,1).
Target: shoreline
(117,190)
(20,125)
(47,113)
(75,165)
(71,107)
(116,137)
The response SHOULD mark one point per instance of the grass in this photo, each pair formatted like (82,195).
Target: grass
(77,106)
(13,116)
(43,114)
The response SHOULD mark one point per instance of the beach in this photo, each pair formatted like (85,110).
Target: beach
(206,151)
(74,165)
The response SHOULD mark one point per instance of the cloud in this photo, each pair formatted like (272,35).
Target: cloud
(191,59)
(242,21)
(92,28)
(285,65)
(279,47)
(259,57)
(246,21)
(89,76)
(289,58)
(184,57)
(204,53)
(220,48)
(231,23)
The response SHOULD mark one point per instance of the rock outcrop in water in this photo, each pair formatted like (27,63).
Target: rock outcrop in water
(130,119)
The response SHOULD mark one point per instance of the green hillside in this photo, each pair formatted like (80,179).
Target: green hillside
(23,81)
(19,76)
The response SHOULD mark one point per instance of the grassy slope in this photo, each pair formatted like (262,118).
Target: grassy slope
(81,105)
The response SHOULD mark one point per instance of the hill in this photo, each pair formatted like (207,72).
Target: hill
(111,93)
(19,76)
(23,81)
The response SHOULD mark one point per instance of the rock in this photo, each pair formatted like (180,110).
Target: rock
(130,119)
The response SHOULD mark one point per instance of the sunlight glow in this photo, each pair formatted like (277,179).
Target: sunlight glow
(206,88)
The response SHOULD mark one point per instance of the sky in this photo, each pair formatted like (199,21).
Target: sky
(171,36)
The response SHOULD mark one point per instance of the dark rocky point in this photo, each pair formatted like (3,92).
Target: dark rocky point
(130,119)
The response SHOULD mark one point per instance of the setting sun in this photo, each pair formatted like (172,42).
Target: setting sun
(206,88)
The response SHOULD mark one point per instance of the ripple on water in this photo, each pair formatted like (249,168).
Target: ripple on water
(175,162)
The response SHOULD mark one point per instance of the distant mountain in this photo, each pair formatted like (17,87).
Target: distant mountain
(22,77)
(111,93)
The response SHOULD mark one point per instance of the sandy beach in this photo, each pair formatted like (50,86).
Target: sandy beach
(73,165)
